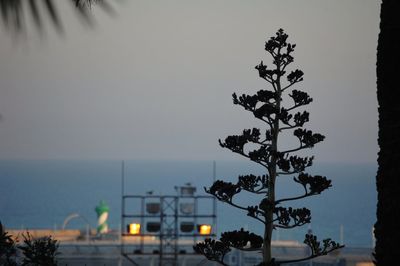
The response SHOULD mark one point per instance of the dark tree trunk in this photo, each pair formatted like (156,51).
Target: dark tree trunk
(387,227)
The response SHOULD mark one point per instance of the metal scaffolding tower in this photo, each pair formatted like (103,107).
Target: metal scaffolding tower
(163,228)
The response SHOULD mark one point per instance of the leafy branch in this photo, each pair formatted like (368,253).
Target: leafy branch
(316,248)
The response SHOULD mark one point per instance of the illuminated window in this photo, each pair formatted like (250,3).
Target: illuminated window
(204,229)
(134,229)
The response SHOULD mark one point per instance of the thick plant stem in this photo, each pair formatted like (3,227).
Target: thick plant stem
(270,214)
(267,253)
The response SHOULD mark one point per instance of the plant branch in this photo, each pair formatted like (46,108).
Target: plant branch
(288,226)
(296,149)
(294,107)
(235,205)
(259,162)
(288,127)
(290,85)
(255,217)
(259,191)
(312,256)
(289,173)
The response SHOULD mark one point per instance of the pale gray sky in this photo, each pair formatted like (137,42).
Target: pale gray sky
(155,82)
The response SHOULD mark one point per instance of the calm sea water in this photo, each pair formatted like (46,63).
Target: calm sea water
(41,194)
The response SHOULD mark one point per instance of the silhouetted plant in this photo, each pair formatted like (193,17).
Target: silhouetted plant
(13,12)
(40,251)
(8,249)
(267,106)
(386,230)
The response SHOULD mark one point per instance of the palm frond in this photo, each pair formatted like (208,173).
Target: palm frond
(13,13)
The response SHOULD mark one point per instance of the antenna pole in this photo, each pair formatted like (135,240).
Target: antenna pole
(214,199)
(122,205)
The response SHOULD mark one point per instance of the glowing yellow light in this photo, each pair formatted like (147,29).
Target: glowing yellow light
(134,229)
(205,229)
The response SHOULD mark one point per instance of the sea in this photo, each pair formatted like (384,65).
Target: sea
(40,194)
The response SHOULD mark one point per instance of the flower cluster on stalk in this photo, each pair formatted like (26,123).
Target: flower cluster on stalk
(267,106)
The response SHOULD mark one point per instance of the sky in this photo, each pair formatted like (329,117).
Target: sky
(155,80)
